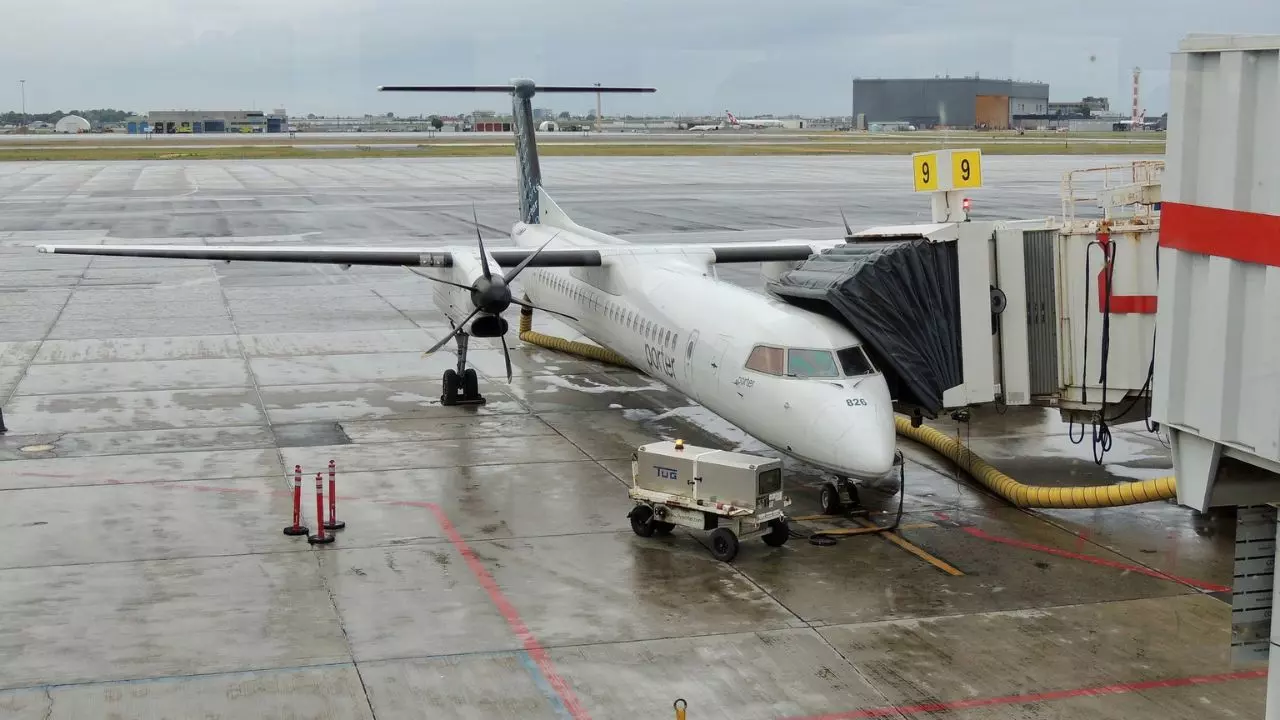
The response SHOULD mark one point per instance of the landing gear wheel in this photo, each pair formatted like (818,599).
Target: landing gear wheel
(642,522)
(778,534)
(470,384)
(663,528)
(451,383)
(830,499)
(724,544)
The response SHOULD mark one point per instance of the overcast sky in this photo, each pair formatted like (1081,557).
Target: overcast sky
(751,56)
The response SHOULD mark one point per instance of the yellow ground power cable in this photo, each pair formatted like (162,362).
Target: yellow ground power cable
(1027,496)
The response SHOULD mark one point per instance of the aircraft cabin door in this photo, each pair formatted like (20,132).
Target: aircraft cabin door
(687,375)
(703,357)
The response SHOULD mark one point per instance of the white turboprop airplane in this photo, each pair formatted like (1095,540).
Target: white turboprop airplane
(796,380)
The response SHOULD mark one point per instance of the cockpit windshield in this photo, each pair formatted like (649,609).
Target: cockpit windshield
(811,363)
(855,362)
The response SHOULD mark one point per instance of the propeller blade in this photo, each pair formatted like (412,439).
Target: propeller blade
(848,231)
(446,282)
(525,262)
(531,306)
(506,354)
(461,327)
(484,261)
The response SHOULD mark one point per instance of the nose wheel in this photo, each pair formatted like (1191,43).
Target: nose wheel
(830,495)
(461,386)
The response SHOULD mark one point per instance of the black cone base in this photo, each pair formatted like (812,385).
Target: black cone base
(334,525)
(295,530)
(317,540)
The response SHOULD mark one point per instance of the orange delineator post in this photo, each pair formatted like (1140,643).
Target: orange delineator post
(297,527)
(320,538)
(333,523)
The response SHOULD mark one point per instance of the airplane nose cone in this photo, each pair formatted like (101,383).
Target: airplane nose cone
(856,432)
(869,451)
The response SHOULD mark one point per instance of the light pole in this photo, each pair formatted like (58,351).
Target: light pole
(23,85)
(597,108)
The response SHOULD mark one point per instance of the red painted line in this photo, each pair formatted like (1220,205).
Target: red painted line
(1029,698)
(509,613)
(531,644)
(1245,236)
(975,532)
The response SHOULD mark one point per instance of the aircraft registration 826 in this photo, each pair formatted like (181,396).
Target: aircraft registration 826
(796,380)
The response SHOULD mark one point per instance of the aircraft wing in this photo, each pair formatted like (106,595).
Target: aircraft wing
(443,256)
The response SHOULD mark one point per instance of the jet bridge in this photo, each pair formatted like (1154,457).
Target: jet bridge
(1092,326)
(961,312)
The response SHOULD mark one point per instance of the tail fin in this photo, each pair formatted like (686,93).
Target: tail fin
(522,92)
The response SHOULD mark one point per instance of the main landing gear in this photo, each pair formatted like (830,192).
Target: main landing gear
(461,386)
(830,496)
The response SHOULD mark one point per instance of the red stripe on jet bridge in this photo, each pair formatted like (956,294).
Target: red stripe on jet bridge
(1029,698)
(1121,304)
(1245,236)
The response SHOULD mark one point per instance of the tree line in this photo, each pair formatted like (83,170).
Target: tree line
(96,117)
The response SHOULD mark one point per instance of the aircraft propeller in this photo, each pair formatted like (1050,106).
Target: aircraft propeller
(490,293)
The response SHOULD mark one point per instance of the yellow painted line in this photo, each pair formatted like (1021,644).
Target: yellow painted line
(869,530)
(915,550)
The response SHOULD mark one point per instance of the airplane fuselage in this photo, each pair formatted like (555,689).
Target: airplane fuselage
(672,319)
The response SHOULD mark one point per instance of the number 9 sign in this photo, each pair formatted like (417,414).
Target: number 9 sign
(926,171)
(966,169)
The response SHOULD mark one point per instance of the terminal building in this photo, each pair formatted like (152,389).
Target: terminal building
(967,102)
(214,121)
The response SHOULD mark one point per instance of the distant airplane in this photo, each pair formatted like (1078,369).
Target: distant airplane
(753,122)
(798,381)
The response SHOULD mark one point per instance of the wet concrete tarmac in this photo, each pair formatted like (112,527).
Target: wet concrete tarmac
(156,410)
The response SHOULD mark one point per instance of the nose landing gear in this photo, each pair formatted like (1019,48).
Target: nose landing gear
(461,386)
(830,496)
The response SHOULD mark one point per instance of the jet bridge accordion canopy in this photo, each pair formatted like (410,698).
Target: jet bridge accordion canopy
(901,295)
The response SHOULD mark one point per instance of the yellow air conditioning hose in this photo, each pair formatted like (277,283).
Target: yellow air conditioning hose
(1027,496)
(1032,496)
(592,352)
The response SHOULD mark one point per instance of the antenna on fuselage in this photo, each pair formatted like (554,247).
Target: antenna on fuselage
(522,91)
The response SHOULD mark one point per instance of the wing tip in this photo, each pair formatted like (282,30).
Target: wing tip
(45,249)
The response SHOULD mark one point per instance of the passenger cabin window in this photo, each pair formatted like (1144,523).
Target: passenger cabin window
(766,359)
(811,363)
(855,362)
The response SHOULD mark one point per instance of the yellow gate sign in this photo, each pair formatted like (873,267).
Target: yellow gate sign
(926,171)
(966,169)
